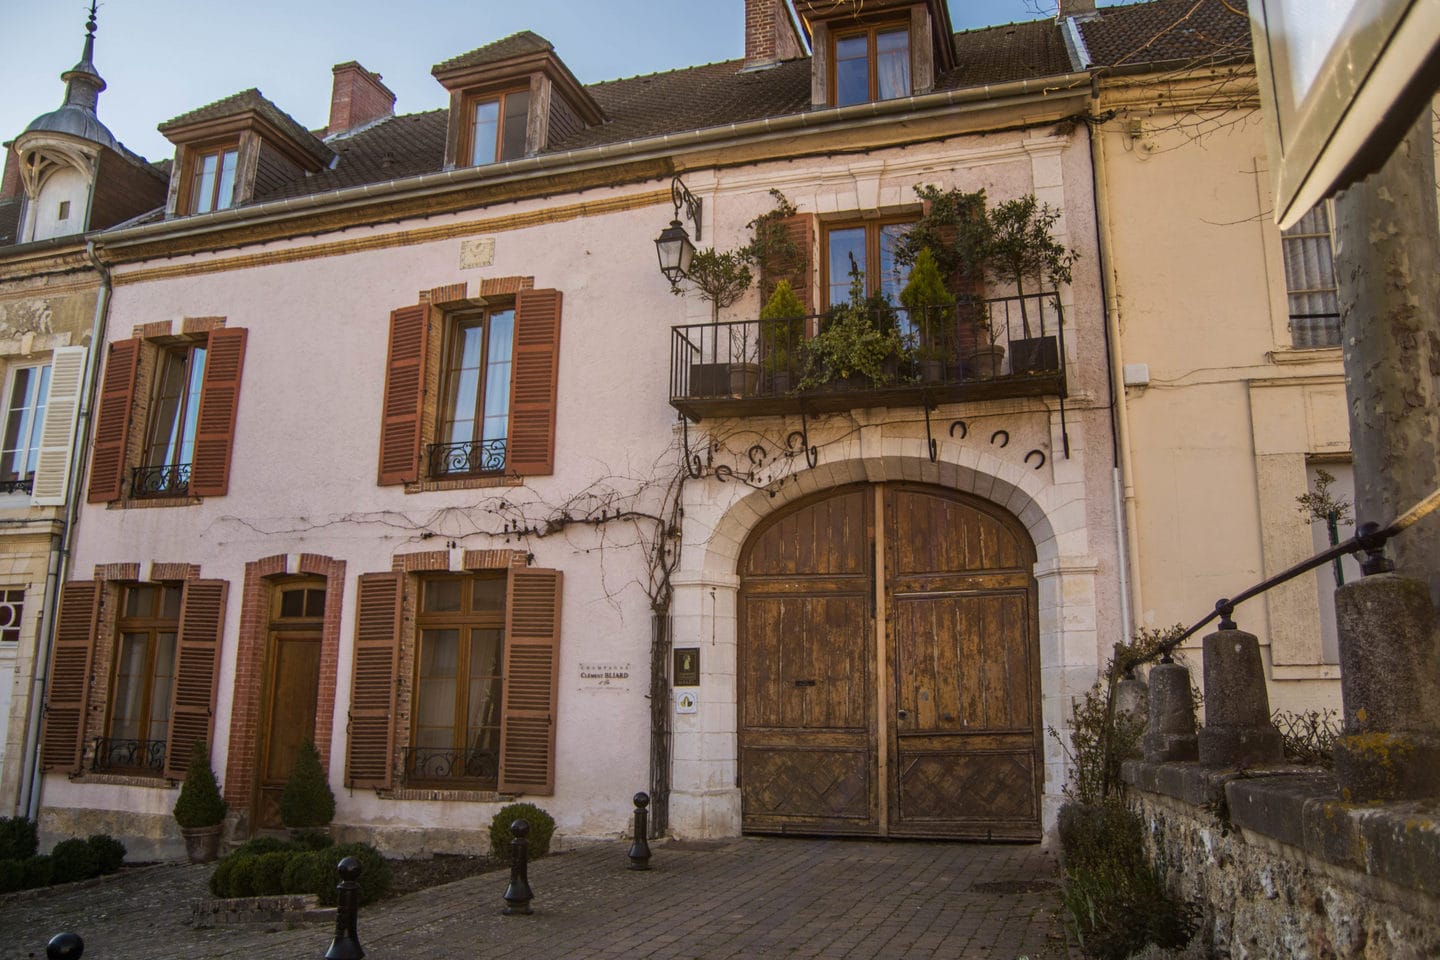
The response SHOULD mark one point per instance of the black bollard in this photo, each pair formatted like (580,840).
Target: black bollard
(346,945)
(518,895)
(65,946)
(640,849)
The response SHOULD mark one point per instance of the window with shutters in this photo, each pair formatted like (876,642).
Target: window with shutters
(166,417)
(26,390)
(470,391)
(481,654)
(132,677)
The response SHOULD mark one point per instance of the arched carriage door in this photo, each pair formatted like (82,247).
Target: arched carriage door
(889,668)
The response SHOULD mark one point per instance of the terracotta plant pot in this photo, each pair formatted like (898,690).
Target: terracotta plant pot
(202,844)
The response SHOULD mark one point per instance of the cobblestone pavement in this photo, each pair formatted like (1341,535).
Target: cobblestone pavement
(793,898)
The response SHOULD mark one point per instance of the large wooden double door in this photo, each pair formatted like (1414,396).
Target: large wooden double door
(889,675)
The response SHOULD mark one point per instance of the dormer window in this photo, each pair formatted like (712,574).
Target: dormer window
(497,126)
(212,179)
(871,63)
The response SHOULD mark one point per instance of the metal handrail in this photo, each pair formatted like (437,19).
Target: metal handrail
(1369,537)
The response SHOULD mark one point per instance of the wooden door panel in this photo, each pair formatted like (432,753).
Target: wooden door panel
(982,790)
(937,533)
(807,788)
(294,682)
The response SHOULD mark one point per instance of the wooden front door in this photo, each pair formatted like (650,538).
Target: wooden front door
(888,668)
(292,686)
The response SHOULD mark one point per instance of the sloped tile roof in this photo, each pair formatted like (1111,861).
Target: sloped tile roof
(1166,31)
(1013,51)
(515,45)
(404,146)
(243,101)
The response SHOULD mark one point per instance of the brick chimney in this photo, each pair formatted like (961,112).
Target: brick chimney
(10,182)
(357,98)
(770,34)
(1084,9)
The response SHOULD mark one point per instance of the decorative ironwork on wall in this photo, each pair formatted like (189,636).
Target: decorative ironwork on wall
(431,765)
(163,481)
(466,458)
(126,755)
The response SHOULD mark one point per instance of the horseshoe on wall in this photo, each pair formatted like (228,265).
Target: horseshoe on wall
(1001,433)
(964,430)
(1036,453)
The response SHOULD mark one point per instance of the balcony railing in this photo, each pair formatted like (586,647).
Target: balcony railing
(23,485)
(427,765)
(124,755)
(466,459)
(163,481)
(976,350)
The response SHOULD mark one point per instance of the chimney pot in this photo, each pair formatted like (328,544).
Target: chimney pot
(357,98)
(770,34)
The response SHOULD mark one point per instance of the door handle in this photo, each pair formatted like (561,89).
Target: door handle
(902,714)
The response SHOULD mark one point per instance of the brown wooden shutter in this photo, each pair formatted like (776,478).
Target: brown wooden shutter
(404,388)
(62,743)
(533,383)
(371,744)
(801,230)
(197,664)
(532,673)
(215,426)
(112,421)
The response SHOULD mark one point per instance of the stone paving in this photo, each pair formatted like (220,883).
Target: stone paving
(794,898)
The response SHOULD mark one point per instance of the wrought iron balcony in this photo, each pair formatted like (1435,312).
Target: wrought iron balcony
(466,459)
(976,350)
(429,765)
(123,755)
(162,481)
(23,485)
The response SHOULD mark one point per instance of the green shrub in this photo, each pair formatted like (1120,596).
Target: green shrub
(242,876)
(220,879)
(307,801)
(268,877)
(308,873)
(12,875)
(259,845)
(18,838)
(542,827)
(109,852)
(376,877)
(39,871)
(73,860)
(199,803)
(312,840)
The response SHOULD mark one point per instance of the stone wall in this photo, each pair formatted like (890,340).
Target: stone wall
(1282,868)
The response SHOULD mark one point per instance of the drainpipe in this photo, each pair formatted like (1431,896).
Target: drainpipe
(1127,538)
(61,544)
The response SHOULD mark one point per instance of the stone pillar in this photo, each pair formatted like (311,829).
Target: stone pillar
(1171,730)
(1132,699)
(1390,684)
(1238,731)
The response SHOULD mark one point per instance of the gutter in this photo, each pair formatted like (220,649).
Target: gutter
(858,116)
(61,545)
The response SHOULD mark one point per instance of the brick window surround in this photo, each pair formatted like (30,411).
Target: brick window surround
(260,578)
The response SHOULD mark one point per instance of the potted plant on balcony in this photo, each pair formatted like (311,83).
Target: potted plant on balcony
(722,278)
(858,344)
(782,330)
(1021,246)
(307,805)
(932,314)
(200,810)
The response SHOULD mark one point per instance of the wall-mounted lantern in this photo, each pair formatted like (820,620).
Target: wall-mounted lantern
(673,245)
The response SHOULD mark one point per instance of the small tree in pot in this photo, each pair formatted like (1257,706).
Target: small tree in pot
(307,804)
(722,279)
(858,344)
(782,329)
(932,313)
(1021,246)
(200,810)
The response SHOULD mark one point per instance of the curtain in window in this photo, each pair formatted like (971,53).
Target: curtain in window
(1310,281)
(893,63)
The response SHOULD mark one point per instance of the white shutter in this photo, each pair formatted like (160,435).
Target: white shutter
(57,435)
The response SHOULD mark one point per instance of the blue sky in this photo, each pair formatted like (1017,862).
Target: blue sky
(161,58)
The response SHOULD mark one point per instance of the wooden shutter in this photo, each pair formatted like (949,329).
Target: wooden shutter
(197,662)
(371,743)
(533,383)
(801,230)
(215,426)
(62,743)
(112,421)
(404,389)
(57,435)
(532,671)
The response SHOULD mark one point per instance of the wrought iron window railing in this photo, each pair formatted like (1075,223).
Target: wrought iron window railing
(23,485)
(164,481)
(125,755)
(1003,346)
(466,459)
(429,765)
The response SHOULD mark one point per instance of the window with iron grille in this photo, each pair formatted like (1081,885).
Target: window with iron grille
(26,393)
(1310,281)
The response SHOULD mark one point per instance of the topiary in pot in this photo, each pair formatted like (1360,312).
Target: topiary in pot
(932,313)
(782,330)
(542,827)
(200,810)
(307,803)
